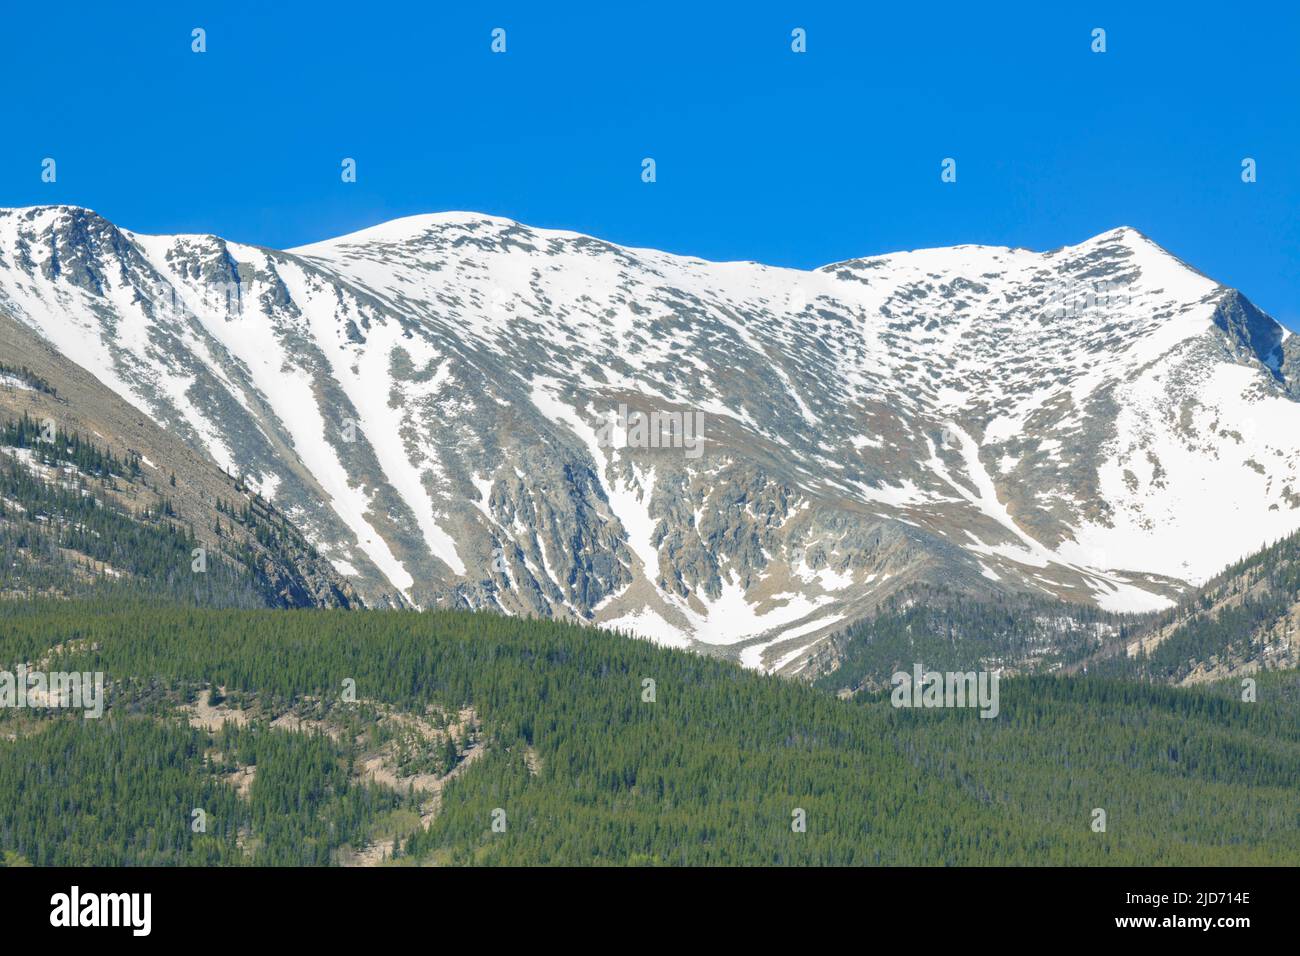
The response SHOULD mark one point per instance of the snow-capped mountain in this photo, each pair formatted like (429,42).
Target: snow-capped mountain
(454,408)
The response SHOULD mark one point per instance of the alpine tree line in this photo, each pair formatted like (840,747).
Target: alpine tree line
(27,377)
(1222,622)
(949,631)
(70,534)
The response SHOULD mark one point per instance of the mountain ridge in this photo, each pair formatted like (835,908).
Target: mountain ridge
(383,232)
(996,419)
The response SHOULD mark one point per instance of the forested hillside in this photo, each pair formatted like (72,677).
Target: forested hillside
(77,519)
(1245,619)
(949,630)
(458,738)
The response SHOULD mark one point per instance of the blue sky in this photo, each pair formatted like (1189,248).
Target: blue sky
(761,153)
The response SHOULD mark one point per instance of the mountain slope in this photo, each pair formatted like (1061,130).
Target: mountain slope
(435,403)
(1246,619)
(96,494)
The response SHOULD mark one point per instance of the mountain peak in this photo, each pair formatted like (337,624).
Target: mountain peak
(427,399)
(52,213)
(1124,236)
(406,229)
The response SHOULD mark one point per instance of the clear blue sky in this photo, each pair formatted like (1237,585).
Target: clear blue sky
(761,153)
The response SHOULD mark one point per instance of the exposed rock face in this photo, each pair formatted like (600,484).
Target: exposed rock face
(436,403)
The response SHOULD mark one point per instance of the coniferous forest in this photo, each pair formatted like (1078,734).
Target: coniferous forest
(322,737)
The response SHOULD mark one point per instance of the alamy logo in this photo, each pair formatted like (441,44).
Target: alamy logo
(1073,300)
(73,689)
(952,689)
(635,429)
(215,300)
(103,909)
